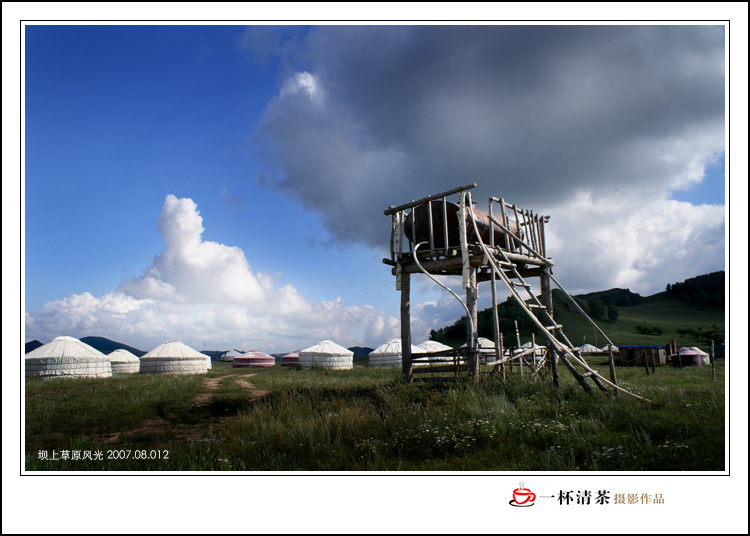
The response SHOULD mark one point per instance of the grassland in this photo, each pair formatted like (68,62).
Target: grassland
(366,419)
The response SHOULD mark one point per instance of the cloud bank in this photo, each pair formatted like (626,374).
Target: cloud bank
(596,126)
(203,292)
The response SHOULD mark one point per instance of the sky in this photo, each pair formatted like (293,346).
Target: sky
(224,185)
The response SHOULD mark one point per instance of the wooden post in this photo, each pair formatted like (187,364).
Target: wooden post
(612,376)
(502,352)
(472,294)
(518,345)
(496,322)
(546,291)
(713,366)
(406,327)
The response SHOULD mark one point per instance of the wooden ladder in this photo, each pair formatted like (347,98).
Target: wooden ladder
(552,330)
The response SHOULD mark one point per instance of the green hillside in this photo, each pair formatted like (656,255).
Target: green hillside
(627,318)
(658,312)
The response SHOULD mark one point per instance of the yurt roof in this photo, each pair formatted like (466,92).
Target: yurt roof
(232,353)
(327,348)
(433,346)
(605,348)
(685,350)
(295,353)
(122,356)
(175,349)
(701,352)
(588,349)
(65,347)
(393,347)
(256,354)
(482,343)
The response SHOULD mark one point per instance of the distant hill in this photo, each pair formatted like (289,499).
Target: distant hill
(32,345)
(360,351)
(107,346)
(626,317)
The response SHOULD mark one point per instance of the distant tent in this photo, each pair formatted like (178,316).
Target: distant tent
(253,358)
(291,359)
(67,357)
(433,346)
(484,346)
(230,355)
(389,354)
(123,362)
(326,354)
(588,349)
(605,349)
(705,357)
(174,357)
(686,357)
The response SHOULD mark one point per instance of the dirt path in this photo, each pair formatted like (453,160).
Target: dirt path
(212,384)
(247,385)
(159,425)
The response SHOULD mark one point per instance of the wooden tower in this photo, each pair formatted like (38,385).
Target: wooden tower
(435,236)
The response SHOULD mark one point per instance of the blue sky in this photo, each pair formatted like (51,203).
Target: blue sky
(286,143)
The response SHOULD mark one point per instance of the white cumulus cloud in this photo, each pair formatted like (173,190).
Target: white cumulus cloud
(204,292)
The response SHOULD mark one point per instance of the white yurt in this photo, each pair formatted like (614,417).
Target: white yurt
(705,357)
(254,358)
(605,349)
(326,354)
(67,357)
(588,349)
(389,354)
(124,362)
(174,357)
(230,355)
(435,346)
(484,346)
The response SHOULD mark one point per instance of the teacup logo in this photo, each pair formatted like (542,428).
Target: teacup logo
(523,496)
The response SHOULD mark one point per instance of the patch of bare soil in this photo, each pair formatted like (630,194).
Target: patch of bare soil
(247,385)
(212,384)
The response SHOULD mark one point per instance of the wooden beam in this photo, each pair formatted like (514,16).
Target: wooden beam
(411,204)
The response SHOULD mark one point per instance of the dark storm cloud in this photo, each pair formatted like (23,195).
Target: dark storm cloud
(532,113)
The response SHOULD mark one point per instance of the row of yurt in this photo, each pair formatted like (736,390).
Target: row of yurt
(326,354)
(390,354)
(253,358)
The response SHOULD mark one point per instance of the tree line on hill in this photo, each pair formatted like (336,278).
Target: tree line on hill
(704,290)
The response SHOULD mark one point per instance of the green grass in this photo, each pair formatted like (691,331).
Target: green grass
(366,419)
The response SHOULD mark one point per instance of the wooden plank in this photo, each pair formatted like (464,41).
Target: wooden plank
(411,204)
(440,369)
(436,379)
(406,367)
